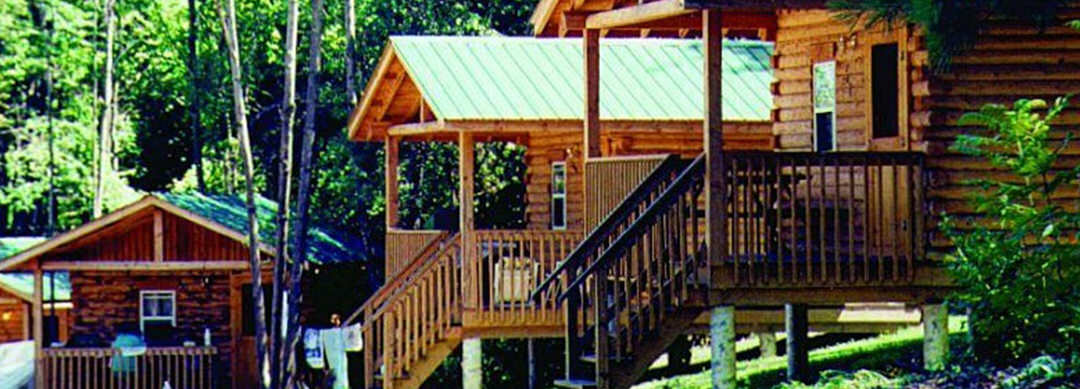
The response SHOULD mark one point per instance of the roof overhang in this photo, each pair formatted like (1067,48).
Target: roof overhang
(27,259)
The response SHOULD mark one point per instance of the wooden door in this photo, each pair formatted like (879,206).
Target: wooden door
(243,340)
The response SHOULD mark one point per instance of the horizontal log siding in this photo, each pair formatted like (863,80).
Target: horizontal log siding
(1010,61)
(13,318)
(105,300)
(799,32)
(543,148)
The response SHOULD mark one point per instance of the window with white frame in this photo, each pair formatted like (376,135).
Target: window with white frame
(157,309)
(558,195)
(824,106)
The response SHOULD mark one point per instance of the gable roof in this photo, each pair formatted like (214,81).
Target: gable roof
(226,215)
(504,78)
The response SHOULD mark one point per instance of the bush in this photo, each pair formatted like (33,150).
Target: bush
(1017,259)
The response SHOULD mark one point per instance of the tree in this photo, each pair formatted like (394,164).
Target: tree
(288,107)
(311,99)
(193,104)
(228,22)
(104,136)
(350,52)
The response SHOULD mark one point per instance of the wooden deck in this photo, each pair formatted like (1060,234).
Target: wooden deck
(107,368)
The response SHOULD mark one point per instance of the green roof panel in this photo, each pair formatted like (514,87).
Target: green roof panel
(503,78)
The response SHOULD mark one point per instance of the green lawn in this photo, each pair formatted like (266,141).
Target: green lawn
(867,353)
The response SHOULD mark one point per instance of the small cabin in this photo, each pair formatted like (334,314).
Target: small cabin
(158,276)
(17,297)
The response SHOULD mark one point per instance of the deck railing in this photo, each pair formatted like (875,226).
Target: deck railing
(403,246)
(822,219)
(608,180)
(504,266)
(107,368)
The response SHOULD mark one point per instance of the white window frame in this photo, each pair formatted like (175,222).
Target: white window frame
(557,167)
(826,107)
(143,318)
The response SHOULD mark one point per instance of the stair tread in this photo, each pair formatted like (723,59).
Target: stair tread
(576,383)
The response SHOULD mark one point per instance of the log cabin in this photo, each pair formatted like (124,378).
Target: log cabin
(17,297)
(169,268)
(458,284)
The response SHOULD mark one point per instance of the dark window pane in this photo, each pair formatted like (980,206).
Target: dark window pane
(558,212)
(885,85)
(248,310)
(824,129)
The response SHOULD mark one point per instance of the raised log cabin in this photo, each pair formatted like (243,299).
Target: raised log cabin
(168,268)
(459,283)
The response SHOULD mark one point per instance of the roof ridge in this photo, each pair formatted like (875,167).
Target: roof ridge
(739,42)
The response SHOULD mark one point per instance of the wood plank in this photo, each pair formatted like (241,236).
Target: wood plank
(641,13)
(145,265)
(716,217)
(591,46)
(159,237)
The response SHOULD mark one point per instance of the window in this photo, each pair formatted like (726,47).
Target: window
(558,195)
(157,313)
(884,88)
(825,106)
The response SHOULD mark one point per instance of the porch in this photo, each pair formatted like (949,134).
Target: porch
(105,368)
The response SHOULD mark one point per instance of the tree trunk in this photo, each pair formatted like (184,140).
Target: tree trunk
(304,193)
(228,22)
(193,100)
(350,51)
(50,27)
(288,108)
(104,140)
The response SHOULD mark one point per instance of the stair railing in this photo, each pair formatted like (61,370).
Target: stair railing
(419,312)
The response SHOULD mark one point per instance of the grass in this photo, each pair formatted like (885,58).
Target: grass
(869,353)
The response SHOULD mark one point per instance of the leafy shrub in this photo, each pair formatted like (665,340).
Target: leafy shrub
(1017,260)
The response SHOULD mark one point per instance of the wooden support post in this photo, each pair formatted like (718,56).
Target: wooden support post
(392,145)
(679,355)
(722,338)
(39,338)
(532,365)
(592,93)
(716,230)
(797,355)
(159,237)
(935,318)
(472,374)
(466,167)
(767,344)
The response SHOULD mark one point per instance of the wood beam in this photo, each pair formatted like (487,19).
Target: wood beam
(159,236)
(712,36)
(414,129)
(642,13)
(391,182)
(39,334)
(766,21)
(591,46)
(754,5)
(144,265)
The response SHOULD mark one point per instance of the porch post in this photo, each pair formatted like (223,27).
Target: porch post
(797,356)
(767,344)
(591,47)
(466,160)
(935,318)
(391,182)
(722,342)
(472,376)
(712,35)
(39,338)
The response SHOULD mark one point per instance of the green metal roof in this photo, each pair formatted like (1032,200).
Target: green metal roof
(325,246)
(502,78)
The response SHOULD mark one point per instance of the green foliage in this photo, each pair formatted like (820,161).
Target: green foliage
(1016,259)
(951,26)
(832,379)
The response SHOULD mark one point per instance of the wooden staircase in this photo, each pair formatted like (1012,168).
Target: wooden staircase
(413,322)
(637,281)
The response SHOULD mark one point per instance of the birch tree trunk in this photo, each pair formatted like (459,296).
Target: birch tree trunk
(104,141)
(228,22)
(193,99)
(350,51)
(288,109)
(304,192)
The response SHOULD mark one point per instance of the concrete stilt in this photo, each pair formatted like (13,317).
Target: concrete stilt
(935,318)
(767,341)
(472,376)
(797,353)
(722,337)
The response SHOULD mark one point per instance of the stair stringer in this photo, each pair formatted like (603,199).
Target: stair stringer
(431,361)
(624,375)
